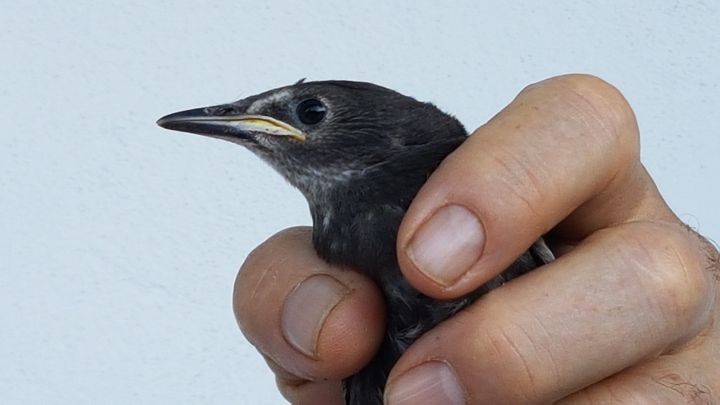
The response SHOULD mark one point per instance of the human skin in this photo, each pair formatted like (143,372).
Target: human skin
(628,313)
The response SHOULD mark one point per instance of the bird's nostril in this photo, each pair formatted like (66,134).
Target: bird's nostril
(220,110)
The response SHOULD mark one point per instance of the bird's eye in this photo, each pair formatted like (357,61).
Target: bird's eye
(311,111)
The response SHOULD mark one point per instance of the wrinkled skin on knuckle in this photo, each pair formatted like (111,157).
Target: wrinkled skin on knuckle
(503,343)
(707,343)
(527,167)
(670,270)
(593,119)
(601,102)
(601,107)
(520,180)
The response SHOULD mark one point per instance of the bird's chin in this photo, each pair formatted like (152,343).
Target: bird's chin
(246,141)
(256,143)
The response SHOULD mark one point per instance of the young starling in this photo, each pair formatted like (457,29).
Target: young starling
(359,153)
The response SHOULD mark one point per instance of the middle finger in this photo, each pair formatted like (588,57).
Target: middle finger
(623,295)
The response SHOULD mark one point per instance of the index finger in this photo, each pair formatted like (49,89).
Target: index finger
(625,295)
(555,157)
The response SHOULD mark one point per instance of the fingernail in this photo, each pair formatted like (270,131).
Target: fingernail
(433,383)
(447,244)
(306,309)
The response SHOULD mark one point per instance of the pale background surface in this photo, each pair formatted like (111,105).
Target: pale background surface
(119,241)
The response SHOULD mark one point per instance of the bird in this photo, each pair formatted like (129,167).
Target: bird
(358,152)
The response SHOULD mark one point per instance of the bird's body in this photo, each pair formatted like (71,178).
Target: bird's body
(359,153)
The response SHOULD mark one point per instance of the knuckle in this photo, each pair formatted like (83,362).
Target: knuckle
(670,267)
(521,179)
(601,106)
(511,346)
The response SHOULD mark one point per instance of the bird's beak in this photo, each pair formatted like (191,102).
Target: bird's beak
(224,122)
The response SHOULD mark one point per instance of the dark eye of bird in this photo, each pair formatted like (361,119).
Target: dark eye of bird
(311,111)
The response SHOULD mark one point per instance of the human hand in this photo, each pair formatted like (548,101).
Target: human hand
(628,313)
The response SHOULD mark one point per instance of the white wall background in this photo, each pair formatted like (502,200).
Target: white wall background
(119,241)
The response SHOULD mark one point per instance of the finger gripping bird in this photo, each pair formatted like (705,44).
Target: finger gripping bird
(359,153)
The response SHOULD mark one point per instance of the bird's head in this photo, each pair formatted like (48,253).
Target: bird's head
(324,135)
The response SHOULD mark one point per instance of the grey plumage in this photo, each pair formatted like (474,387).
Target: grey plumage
(359,153)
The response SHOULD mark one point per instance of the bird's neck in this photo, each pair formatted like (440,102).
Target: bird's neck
(349,229)
(356,218)
(356,222)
